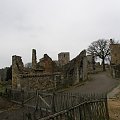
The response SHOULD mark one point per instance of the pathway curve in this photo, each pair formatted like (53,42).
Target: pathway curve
(100,83)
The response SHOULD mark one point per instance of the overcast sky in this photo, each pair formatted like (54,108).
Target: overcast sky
(53,26)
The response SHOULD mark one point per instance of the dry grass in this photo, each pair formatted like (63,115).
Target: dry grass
(114,109)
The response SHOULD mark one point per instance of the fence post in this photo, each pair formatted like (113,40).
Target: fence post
(106,106)
(22,103)
(37,99)
(53,103)
(22,97)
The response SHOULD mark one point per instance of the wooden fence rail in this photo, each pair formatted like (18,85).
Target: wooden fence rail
(90,110)
(61,106)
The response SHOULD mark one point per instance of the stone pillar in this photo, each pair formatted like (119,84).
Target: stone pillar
(14,74)
(17,68)
(34,59)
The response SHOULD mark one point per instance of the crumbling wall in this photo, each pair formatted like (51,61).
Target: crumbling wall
(17,68)
(39,82)
(115,55)
(76,70)
(91,63)
(46,73)
(40,75)
(47,64)
(115,71)
(63,58)
(34,59)
(115,60)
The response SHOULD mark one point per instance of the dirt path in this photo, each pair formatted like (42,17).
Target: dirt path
(100,83)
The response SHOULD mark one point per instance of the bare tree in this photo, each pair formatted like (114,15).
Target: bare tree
(101,49)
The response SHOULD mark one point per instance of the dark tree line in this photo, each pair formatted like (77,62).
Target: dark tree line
(9,74)
(6,73)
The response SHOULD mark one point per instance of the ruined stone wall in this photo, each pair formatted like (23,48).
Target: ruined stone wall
(76,70)
(115,71)
(90,63)
(115,55)
(46,73)
(47,64)
(34,59)
(85,67)
(63,58)
(40,75)
(39,82)
(115,60)
(17,68)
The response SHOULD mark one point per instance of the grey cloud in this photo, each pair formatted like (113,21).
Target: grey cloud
(52,26)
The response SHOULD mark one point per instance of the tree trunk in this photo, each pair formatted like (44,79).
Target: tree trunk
(103,63)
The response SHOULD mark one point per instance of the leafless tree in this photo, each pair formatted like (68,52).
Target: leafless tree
(101,49)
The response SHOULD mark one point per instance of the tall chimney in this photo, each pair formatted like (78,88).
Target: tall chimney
(34,59)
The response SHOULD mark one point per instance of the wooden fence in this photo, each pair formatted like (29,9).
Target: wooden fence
(90,110)
(78,107)
(61,106)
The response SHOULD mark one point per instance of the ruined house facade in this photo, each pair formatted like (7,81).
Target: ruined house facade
(115,55)
(115,60)
(91,63)
(40,76)
(63,58)
(76,70)
(47,73)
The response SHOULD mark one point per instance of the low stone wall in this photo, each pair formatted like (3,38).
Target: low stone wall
(34,82)
(115,70)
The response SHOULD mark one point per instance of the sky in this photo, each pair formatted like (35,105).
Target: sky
(54,26)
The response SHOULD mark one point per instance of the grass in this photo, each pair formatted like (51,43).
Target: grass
(2,88)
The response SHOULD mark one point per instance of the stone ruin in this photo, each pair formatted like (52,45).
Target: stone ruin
(47,73)
(76,70)
(115,60)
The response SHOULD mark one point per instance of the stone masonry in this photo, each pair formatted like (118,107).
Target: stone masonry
(76,70)
(63,58)
(115,60)
(115,55)
(46,74)
(34,59)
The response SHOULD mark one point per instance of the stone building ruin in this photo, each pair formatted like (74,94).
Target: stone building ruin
(115,60)
(115,55)
(63,58)
(48,73)
(76,70)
